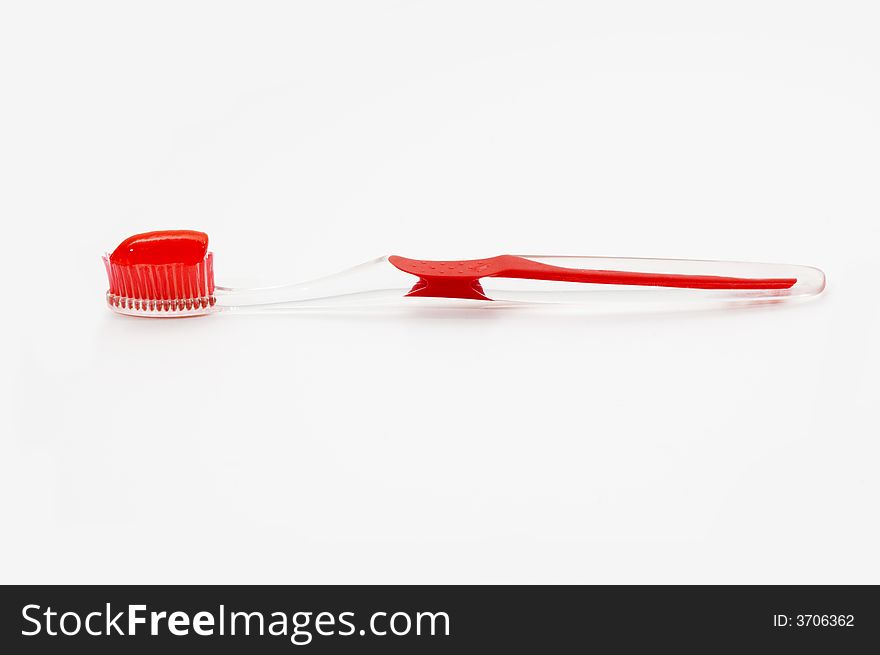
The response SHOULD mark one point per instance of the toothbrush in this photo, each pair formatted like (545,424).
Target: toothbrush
(170,273)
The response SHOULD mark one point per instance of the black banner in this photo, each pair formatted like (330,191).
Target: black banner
(428,619)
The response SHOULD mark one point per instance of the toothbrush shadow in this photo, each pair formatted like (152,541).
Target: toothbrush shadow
(529,312)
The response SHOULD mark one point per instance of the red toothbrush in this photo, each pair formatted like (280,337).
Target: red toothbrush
(171,273)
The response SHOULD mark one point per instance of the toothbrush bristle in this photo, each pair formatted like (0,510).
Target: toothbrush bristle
(161,273)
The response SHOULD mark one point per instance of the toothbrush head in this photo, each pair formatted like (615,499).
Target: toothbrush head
(164,273)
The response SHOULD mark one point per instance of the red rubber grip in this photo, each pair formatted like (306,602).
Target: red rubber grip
(461,279)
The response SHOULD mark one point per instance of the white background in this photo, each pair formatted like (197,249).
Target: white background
(722,446)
